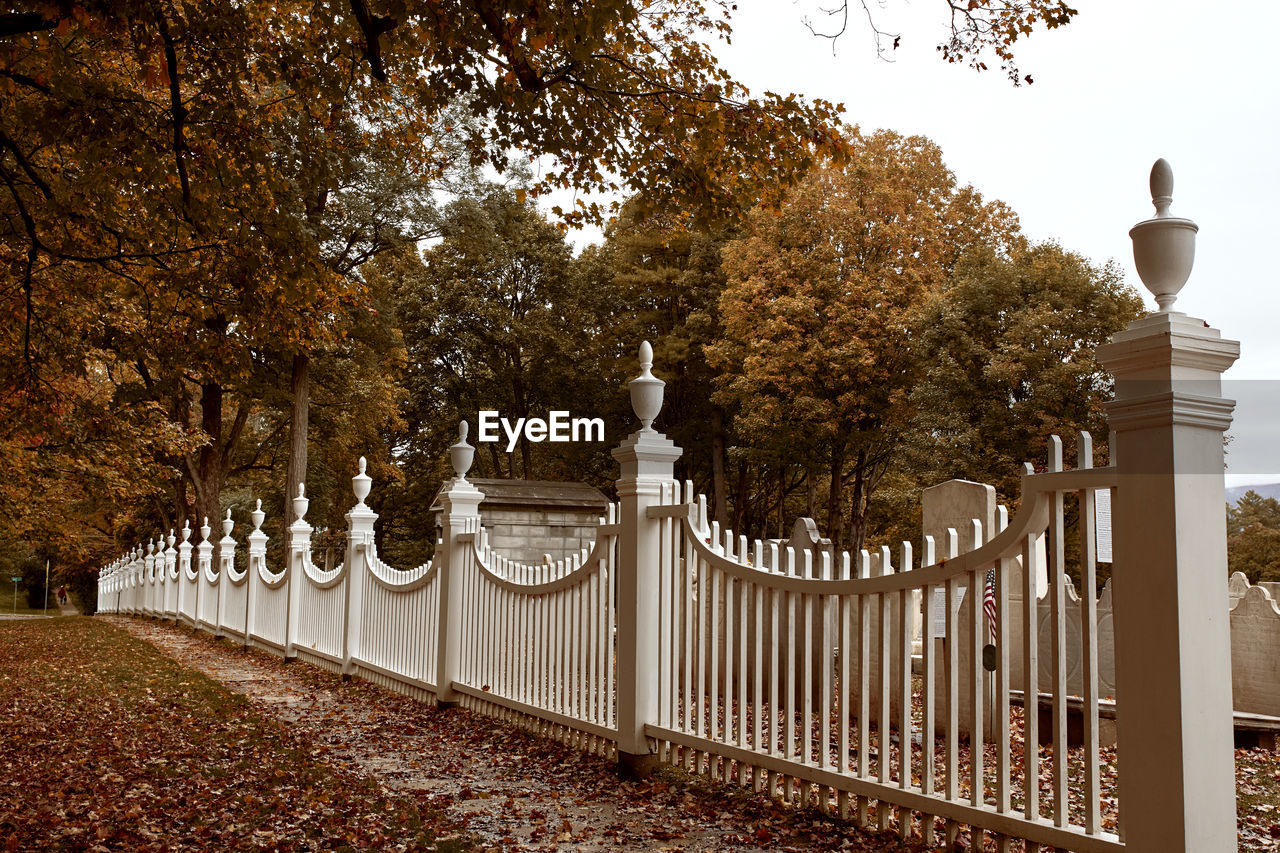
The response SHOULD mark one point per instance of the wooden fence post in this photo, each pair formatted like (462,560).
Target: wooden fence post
(360,519)
(204,559)
(257,554)
(299,547)
(170,563)
(226,562)
(460,504)
(139,585)
(184,565)
(647,459)
(1172,635)
(148,579)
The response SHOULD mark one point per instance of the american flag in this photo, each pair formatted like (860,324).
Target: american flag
(989,604)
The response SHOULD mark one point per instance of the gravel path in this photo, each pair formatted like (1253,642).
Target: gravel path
(505,789)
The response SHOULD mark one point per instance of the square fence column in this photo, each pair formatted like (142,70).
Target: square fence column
(647,459)
(226,563)
(257,555)
(1169,586)
(184,565)
(299,547)
(460,505)
(360,520)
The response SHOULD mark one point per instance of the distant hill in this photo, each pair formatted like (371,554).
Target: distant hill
(1271,490)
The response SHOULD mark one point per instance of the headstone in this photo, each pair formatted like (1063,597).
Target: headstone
(955,504)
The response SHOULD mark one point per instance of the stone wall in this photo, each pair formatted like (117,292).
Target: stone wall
(530,535)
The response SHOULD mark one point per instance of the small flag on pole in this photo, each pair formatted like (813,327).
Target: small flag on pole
(989,604)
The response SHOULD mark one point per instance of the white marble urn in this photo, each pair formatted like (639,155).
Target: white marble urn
(461,454)
(646,389)
(1164,247)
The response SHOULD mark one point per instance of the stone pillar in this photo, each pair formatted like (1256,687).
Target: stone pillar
(299,548)
(460,513)
(1173,644)
(647,459)
(360,519)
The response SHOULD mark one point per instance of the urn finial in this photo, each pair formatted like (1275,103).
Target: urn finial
(1164,247)
(227,524)
(361,484)
(461,455)
(186,530)
(1162,187)
(205,530)
(646,390)
(300,503)
(257,516)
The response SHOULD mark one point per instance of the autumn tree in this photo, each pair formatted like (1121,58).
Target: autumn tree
(491,320)
(1253,537)
(1010,343)
(664,277)
(821,313)
(170,170)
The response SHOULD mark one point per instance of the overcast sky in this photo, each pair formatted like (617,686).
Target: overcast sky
(1126,82)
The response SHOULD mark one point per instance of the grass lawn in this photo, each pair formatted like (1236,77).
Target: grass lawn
(107,745)
(6,600)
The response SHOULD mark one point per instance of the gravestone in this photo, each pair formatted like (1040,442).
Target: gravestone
(955,504)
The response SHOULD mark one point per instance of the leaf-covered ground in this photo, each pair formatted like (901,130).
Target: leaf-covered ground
(110,745)
(364,767)
(506,789)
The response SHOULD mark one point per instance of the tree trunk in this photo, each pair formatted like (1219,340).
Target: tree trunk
(522,411)
(835,504)
(719,489)
(166,520)
(858,505)
(208,474)
(180,502)
(782,500)
(300,388)
(740,502)
(496,456)
(213,460)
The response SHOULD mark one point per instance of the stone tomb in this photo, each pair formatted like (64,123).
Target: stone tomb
(531,520)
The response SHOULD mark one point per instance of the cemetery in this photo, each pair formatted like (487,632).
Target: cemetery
(885,688)
(472,426)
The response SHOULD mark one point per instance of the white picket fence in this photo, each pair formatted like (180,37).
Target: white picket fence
(791,671)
